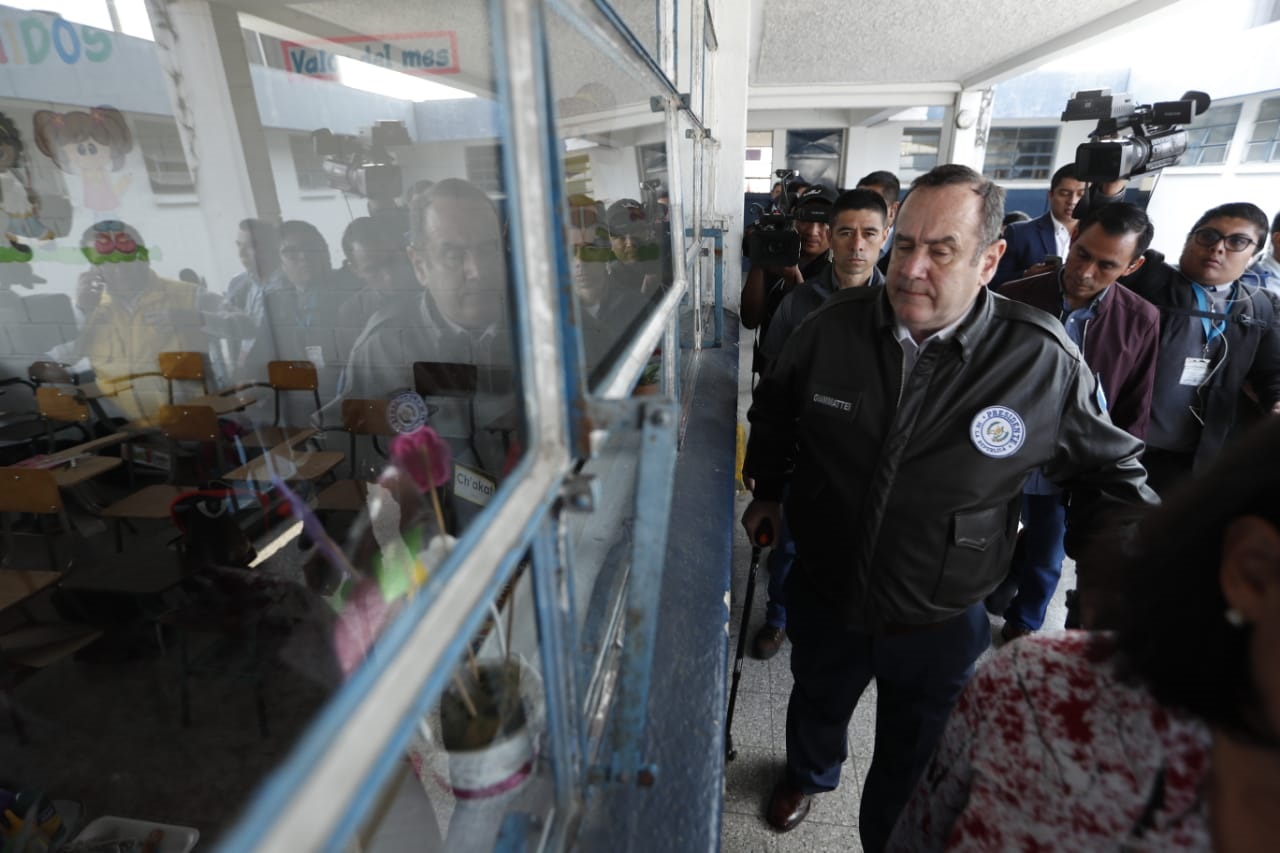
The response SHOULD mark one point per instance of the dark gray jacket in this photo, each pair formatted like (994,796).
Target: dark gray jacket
(806,298)
(905,490)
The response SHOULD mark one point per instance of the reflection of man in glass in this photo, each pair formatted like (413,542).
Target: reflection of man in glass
(375,248)
(636,252)
(258,245)
(459,316)
(605,309)
(133,315)
(301,316)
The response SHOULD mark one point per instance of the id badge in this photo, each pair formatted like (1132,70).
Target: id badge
(1194,371)
(472,485)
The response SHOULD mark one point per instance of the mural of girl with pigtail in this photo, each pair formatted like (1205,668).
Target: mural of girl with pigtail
(16,200)
(92,143)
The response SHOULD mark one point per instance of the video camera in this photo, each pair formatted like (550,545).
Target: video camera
(1157,141)
(774,242)
(363,165)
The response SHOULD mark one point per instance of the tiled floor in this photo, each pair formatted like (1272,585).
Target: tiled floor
(760,719)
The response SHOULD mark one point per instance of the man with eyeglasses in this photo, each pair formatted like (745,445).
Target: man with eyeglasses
(459,316)
(1219,342)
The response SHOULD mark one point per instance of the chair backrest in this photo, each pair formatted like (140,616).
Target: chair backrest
(366,417)
(189,423)
(292,376)
(59,404)
(183,367)
(33,490)
(52,373)
(445,379)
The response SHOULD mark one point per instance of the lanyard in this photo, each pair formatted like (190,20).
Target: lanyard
(1212,329)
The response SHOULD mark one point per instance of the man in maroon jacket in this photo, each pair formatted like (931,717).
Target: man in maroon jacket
(1119,334)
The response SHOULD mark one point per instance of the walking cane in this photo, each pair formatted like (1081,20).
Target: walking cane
(763,539)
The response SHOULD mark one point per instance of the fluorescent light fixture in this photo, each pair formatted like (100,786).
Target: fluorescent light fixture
(577,143)
(383,81)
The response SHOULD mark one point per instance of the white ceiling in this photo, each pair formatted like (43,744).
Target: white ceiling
(872,55)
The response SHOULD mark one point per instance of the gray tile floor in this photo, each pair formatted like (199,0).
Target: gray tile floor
(760,717)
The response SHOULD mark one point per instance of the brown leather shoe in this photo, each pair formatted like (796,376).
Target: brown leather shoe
(788,805)
(768,640)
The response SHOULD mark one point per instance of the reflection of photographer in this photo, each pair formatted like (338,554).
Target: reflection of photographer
(771,278)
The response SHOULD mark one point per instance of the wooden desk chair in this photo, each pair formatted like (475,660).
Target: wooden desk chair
(32,491)
(22,423)
(63,409)
(183,367)
(359,418)
(180,423)
(285,377)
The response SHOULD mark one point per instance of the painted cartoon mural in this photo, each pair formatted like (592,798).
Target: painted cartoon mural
(92,144)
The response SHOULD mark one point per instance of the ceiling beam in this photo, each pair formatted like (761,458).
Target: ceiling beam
(851,96)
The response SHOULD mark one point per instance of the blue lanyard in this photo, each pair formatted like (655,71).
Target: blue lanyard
(1212,329)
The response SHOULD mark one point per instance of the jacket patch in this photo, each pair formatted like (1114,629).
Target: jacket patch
(997,432)
(828,400)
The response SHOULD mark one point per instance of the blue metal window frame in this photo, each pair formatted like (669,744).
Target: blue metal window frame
(293,809)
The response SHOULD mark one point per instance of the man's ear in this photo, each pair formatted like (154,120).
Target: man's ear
(990,259)
(1136,265)
(1250,565)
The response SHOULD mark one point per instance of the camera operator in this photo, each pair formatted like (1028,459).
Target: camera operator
(764,288)
(1219,331)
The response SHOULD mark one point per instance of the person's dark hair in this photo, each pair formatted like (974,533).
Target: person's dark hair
(991,193)
(1015,216)
(1119,219)
(372,231)
(302,230)
(265,235)
(887,181)
(1064,172)
(451,188)
(860,199)
(1171,633)
(1238,210)
(9,135)
(1275,224)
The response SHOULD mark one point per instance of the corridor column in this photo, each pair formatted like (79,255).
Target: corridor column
(965,124)
(202,53)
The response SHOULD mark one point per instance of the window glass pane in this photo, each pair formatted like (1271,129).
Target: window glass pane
(815,155)
(1269,109)
(1214,128)
(641,17)
(615,159)
(259,358)
(1020,153)
(919,149)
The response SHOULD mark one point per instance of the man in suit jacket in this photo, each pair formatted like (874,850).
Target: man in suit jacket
(1029,243)
(1119,334)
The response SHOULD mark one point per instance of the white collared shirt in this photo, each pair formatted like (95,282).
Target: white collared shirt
(911,350)
(1061,237)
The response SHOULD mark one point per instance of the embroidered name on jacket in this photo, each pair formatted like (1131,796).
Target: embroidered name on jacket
(832,402)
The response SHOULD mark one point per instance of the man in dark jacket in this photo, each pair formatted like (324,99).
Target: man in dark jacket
(1119,334)
(1219,331)
(906,420)
(859,220)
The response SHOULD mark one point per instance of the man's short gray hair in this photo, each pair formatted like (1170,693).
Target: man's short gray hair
(992,196)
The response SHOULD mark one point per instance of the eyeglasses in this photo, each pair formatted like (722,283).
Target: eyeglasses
(1210,237)
(452,256)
